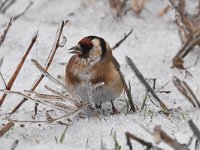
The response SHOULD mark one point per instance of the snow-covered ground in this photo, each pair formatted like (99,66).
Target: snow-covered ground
(152,45)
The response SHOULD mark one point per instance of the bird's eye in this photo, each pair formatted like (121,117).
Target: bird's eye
(86,46)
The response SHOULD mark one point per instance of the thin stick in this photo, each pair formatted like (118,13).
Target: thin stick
(10,3)
(139,140)
(58,83)
(3,36)
(14,145)
(6,128)
(3,4)
(46,103)
(23,12)
(185,90)
(159,135)
(61,95)
(4,82)
(15,74)
(54,119)
(56,45)
(194,129)
(1,75)
(147,86)
(128,93)
(123,39)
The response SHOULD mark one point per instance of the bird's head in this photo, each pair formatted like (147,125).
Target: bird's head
(91,48)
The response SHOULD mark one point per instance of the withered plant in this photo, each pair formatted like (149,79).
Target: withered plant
(188,29)
(120,7)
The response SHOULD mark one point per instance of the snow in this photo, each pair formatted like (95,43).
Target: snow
(152,45)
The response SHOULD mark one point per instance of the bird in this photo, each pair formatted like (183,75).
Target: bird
(92,63)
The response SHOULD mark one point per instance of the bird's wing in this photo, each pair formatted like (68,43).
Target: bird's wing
(116,64)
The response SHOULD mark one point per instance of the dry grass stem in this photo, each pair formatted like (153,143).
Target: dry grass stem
(6,128)
(23,12)
(194,129)
(44,96)
(1,75)
(6,4)
(15,74)
(122,40)
(117,7)
(14,145)
(148,145)
(164,11)
(147,86)
(160,135)
(72,95)
(32,97)
(137,6)
(64,96)
(3,36)
(189,31)
(186,91)
(52,53)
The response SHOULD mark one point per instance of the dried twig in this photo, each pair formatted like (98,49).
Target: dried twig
(194,129)
(189,32)
(147,86)
(117,7)
(1,75)
(160,135)
(23,12)
(14,145)
(3,36)
(197,145)
(137,6)
(128,93)
(2,4)
(139,140)
(51,119)
(72,95)
(31,97)
(185,90)
(15,74)
(164,10)
(56,45)
(7,5)
(123,39)
(6,128)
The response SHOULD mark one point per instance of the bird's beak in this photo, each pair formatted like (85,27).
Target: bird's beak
(75,50)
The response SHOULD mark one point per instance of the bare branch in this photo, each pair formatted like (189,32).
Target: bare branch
(3,36)
(195,130)
(185,90)
(1,75)
(147,86)
(159,135)
(56,45)
(9,3)
(23,12)
(6,128)
(123,39)
(30,97)
(15,74)
(137,6)
(139,140)
(14,145)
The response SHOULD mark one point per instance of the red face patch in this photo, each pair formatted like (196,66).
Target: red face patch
(86,44)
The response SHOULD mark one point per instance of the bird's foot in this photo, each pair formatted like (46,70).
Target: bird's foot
(114,110)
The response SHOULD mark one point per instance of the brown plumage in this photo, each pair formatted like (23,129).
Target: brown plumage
(93,63)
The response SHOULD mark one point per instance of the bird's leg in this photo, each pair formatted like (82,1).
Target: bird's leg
(114,110)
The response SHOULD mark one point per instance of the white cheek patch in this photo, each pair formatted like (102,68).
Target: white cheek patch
(95,53)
